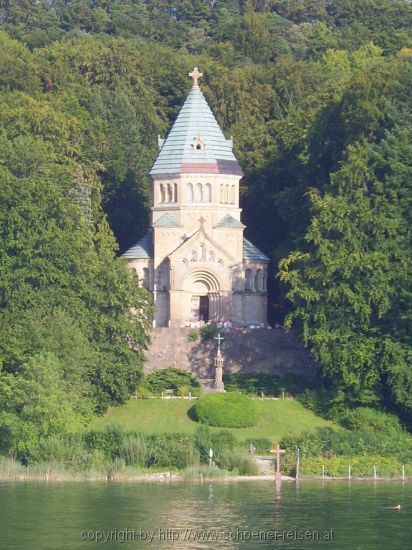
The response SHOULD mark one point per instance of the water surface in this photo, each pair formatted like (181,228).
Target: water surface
(341,515)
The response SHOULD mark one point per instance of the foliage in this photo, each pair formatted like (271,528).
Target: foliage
(263,445)
(362,466)
(364,418)
(269,385)
(193,335)
(171,378)
(207,332)
(238,462)
(228,410)
(327,442)
(316,96)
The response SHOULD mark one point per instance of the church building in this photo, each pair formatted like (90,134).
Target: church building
(194,258)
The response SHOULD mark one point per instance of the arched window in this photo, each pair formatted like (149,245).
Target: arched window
(189,192)
(248,279)
(169,193)
(207,193)
(198,192)
(222,197)
(202,252)
(220,263)
(193,256)
(258,280)
(211,256)
(233,193)
(227,194)
(162,193)
(175,192)
(146,278)
(184,263)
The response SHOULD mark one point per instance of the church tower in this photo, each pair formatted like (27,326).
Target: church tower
(194,259)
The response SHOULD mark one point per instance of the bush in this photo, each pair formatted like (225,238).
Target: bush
(172,451)
(109,441)
(193,335)
(227,410)
(364,418)
(237,462)
(362,466)
(327,442)
(207,332)
(170,379)
(258,383)
(133,450)
(220,442)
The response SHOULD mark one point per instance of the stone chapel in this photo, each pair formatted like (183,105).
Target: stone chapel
(194,259)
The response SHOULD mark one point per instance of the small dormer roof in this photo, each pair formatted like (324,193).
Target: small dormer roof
(142,250)
(230,221)
(167,220)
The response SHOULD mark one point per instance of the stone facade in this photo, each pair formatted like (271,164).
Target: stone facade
(194,259)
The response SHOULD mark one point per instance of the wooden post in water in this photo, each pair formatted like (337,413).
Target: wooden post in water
(349,472)
(323,471)
(278,451)
(297,462)
(374,472)
(403,472)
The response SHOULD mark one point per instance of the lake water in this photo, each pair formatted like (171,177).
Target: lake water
(73,516)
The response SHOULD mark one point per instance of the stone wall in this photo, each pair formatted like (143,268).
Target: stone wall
(258,350)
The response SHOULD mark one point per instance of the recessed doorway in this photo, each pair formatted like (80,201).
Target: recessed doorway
(200,308)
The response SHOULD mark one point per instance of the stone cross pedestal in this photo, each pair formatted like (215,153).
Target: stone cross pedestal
(218,384)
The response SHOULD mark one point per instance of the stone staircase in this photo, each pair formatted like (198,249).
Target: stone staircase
(271,351)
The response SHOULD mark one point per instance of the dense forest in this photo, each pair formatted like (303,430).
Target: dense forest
(316,94)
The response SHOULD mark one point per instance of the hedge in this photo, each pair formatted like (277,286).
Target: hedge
(227,410)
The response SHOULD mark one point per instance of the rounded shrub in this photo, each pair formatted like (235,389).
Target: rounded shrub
(227,410)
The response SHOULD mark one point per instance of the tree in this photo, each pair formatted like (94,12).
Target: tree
(344,282)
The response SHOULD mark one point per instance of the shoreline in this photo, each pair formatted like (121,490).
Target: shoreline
(170,477)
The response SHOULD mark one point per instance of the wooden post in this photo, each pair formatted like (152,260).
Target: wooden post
(278,451)
(374,472)
(349,471)
(297,462)
(323,471)
(403,472)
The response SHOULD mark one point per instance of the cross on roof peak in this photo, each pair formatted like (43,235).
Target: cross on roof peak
(195,74)
(202,221)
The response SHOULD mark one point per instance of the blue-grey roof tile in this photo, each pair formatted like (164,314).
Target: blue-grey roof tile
(252,252)
(196,121)
(230,221)
(142,250)
(167,220)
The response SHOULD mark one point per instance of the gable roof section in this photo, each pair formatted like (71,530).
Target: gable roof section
(167,220)
(252,252)
(142,250)
(205,237)
(230,221)
(196,122)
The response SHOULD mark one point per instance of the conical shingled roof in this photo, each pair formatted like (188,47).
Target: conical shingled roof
(196,125)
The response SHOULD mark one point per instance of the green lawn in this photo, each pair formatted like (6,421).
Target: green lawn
(279,418)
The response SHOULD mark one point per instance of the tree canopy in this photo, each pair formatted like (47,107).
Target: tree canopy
(316,96)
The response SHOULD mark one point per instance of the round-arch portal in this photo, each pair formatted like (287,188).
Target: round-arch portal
(201,280)
(204,288)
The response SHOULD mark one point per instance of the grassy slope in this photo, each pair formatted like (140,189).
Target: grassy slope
(279,418)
